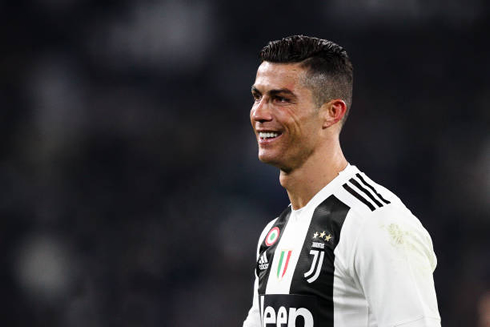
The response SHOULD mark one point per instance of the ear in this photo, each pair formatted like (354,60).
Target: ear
(333,112)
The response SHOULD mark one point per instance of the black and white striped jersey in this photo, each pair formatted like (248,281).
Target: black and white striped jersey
(354,256)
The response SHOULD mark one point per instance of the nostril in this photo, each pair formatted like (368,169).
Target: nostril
(261,114)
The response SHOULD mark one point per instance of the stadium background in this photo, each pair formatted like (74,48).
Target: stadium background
(130,190)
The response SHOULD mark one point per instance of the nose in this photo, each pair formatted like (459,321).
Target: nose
(261,111)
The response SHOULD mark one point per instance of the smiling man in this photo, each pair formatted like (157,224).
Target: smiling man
(346,252)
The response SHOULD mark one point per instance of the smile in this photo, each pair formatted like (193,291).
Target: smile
(268,135)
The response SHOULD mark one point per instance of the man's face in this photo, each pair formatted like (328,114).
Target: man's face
(285,119)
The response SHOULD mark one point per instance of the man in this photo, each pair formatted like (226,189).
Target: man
(346,252)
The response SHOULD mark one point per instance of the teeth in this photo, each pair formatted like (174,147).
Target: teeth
(264,135)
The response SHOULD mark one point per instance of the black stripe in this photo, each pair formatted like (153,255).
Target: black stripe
(359,186)
(328,217)
(263,275)
(372,188)
(359,197)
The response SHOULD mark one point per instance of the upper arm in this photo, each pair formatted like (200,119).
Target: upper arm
(393,264)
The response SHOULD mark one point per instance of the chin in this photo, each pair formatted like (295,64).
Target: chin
(271,160)
(267,159)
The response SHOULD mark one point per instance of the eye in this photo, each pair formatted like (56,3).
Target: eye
(281,99)
(256,96)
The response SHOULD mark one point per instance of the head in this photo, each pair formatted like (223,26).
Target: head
(302,93)
(329,71)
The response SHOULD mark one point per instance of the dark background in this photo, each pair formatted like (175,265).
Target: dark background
(131,194)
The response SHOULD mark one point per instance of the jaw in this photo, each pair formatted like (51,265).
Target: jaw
(276,157)
(285,157)
(271,155)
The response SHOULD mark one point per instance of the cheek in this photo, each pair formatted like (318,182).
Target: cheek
(304,128)
(297,125)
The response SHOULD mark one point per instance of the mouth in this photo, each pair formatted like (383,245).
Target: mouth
(265,137)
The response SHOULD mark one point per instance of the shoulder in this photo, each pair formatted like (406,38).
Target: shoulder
(396,228)
(378,222)
(371,202)
(364,195)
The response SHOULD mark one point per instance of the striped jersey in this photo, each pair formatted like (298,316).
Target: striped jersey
(354,256)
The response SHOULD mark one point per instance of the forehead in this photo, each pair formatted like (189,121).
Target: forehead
(279,76)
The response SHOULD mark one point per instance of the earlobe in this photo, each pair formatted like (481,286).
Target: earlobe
(333,111)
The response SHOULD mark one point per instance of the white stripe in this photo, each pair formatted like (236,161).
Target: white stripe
(261,300)
(292,237)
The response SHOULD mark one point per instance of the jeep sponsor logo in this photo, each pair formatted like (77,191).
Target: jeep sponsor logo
(288,310)
(288,317)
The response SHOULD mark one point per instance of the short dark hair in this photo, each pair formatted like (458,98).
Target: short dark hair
(329,69)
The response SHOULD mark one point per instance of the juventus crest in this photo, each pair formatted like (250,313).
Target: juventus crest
(316,266)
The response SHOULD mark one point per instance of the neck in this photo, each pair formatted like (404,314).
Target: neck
(320,169)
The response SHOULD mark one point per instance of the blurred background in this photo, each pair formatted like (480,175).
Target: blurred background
(131,194)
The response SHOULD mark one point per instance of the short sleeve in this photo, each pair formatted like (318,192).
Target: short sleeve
(393,264)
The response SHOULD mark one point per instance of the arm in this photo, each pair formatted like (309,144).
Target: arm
(253,317)
(393,265)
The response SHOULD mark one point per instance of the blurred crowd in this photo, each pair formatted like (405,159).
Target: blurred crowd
(131,191)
